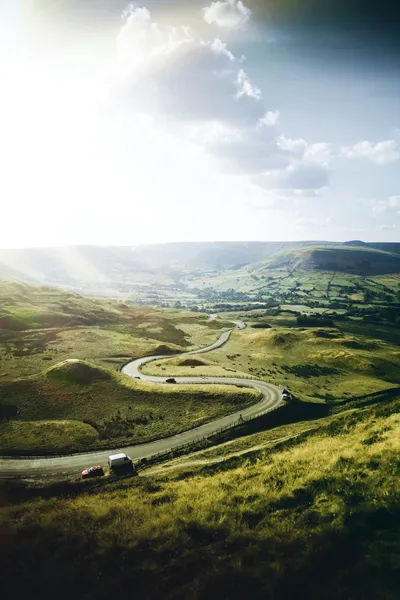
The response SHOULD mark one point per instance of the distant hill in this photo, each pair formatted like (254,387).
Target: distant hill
(156,264)
(345,259)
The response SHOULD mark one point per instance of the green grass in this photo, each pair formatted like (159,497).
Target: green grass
(59,360)
(41,326)
(315,517)
(240,446)
(317,364)
(110,408)
(46,437)
(309,277)
(343,259)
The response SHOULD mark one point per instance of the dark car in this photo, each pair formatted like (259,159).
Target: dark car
(170,380)
(93,472)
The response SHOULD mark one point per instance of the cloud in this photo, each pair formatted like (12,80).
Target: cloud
(197,89)
(270,118)
(320,153)
(251,151)
(299,175)
(392,204)
(380,153)
(227,14)
(263,150)
(169,71)
(300,169)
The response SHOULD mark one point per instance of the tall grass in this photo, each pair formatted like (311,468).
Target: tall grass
(318,518)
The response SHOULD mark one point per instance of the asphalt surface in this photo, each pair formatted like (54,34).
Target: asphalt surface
(12,467)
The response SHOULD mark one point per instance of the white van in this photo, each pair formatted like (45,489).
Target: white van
(119,461)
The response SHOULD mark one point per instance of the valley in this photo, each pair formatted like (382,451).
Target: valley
(309,481)
(200,300)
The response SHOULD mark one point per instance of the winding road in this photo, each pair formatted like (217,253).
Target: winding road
(12,467)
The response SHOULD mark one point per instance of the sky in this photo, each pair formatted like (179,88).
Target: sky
(186,121)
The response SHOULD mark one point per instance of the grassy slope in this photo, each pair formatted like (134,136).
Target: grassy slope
(49,325)
(114,408)
(320,515)
(317,364)
(40,326)
(317,274)
(345,259)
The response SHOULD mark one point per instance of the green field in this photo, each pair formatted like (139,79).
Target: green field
(346,282)
(318,514)
(41,326)
(303,501)
(60,411)
(317,364)
(60,389)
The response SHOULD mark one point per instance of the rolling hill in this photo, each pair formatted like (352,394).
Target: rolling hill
(157,264)
(60,386)
(345,259)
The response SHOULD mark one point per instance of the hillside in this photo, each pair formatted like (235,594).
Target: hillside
(60,389)
(326,365)
(316,516)
(43,323)
(158,264)
(344,259)
(76,406)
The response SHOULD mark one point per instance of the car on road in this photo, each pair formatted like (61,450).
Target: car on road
(170,380)
(121,463)
(93,472)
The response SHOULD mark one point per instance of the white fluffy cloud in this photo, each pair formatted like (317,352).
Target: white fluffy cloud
(271,117)
(303,175)
(320,153)
(380,153)
(198,89)
(171,72)
(253,150)
(227,14)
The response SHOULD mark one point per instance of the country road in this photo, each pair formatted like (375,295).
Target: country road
(12,467)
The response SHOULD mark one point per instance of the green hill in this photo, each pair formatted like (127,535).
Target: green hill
(345,259)
(60,389)
(76,406)
(75,371)
(44,323)
(152,264)
(312,517)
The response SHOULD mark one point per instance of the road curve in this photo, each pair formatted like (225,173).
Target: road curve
(11,467)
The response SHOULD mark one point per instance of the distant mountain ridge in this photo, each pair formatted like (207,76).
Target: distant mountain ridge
(355,260)
(149,264)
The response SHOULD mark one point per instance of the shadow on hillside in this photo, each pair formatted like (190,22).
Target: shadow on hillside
(368,399)
(284,415)
(297,411)
(358,560)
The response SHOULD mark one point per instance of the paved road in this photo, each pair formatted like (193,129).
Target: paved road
(74,463)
